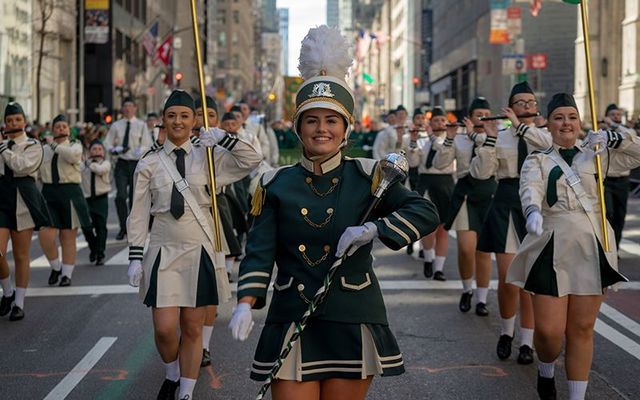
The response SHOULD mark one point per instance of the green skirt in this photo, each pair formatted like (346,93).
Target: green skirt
(326,350)
(32,198)
(505,226)
(67,205)
(476,195)
(438,189)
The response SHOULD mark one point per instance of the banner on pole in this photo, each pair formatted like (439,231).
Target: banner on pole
(96,21)
(499,25)
(514,21)
(514,64)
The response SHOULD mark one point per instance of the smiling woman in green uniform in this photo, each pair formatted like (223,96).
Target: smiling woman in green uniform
(561,260)
(306,215)
(22,208)
(181,273)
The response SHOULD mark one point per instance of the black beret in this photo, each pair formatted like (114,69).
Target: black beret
(236,108)
(521,87)
(179,98)
(96,142)
(128,99)
(152,115)
(479,102)
(227,116)
(211,103)
(12,109)
(438,112)
(392,112)
(560,100)
(417,111)
(58,118)
(401,108)
(611,107)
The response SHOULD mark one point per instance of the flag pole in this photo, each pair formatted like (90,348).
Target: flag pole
(203,97)
(594,122)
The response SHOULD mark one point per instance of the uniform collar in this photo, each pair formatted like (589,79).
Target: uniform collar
(20,138)
(576,146)
(169,146)
(132,120)
(326,166)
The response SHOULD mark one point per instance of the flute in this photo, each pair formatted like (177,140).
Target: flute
(497,117)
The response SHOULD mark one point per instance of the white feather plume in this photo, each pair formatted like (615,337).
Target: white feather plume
(324,49)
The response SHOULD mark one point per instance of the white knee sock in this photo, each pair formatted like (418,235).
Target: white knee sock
(228,263)
(507,326)
(577,389)
(481,294)
(429,255)
(186,388)
(20,293)
(438,263)
(67,270)
(206,336)
(7,287)
(55,264)
(467,285)
(172,370)
(546,370)
(526,337)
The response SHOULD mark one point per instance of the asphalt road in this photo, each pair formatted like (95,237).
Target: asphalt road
(94,339)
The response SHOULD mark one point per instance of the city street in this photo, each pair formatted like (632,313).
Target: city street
(94,340)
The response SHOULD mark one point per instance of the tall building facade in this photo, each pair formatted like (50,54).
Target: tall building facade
(615,58)
(341,14)
(283,14)
(333,13)
(16,61)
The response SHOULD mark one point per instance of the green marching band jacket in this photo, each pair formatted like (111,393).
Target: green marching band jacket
(299,220)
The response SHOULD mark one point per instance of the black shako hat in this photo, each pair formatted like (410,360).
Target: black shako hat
(227,116)
(438,112)
(479,102)
(211,103)
(561,100)
(611,107)
(520,87)
(12,109)
(179,98)
(58,118)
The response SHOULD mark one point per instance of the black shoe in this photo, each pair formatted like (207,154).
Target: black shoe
(206,358)
(504,347)
(17,314)
(546,388)
(525,356)
(54,276)
(229,277)
(427,269)
(439,276)
(168,390)
(465,301)
(482,310)
(121,234)
(92,257)
(5,303)
(100,260)
(410,249)
(65,281)
(421,254)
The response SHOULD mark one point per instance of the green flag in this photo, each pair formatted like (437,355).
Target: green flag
(572,1)
(368,78)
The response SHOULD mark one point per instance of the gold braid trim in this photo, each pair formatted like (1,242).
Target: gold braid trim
(330,100)
(377,176)
(258,201)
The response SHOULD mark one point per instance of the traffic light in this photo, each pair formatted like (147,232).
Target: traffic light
(271,96)
(108,118)
(178,78)
(416,81)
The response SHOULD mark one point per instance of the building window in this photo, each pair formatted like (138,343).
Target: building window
(222,17)
(235,61)
(221,63)
(222,39)
(236,16)
(234,37)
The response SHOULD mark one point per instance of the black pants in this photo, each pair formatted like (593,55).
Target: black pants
(616,194)
(96,235)
(124,186)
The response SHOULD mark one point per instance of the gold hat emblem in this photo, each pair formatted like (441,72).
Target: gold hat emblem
(322,89)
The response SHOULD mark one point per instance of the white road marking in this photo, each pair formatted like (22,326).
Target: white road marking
(620,319)
(630,247)
(617,338)
(81,243)
(71,380)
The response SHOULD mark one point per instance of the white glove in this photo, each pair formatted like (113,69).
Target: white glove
(356,236)
(135,273)
(211,137)
(117,149)
(534,223)
(241,322)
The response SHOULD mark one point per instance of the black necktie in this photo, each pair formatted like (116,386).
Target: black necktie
(125,142)
(473,150)
(55,174)
(430,157)
(93,184)
(555,174)
(177,201)
(522,152)
(8,172)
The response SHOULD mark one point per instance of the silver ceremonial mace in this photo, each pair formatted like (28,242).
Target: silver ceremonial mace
(393,167)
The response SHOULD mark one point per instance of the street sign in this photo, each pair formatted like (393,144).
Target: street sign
(449,104)
(537,61)
(514,64)
(514,21)
(379,102)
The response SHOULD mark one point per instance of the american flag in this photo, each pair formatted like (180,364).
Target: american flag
(164,50)
(150,39)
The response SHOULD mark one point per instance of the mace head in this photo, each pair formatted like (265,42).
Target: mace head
(394,167)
